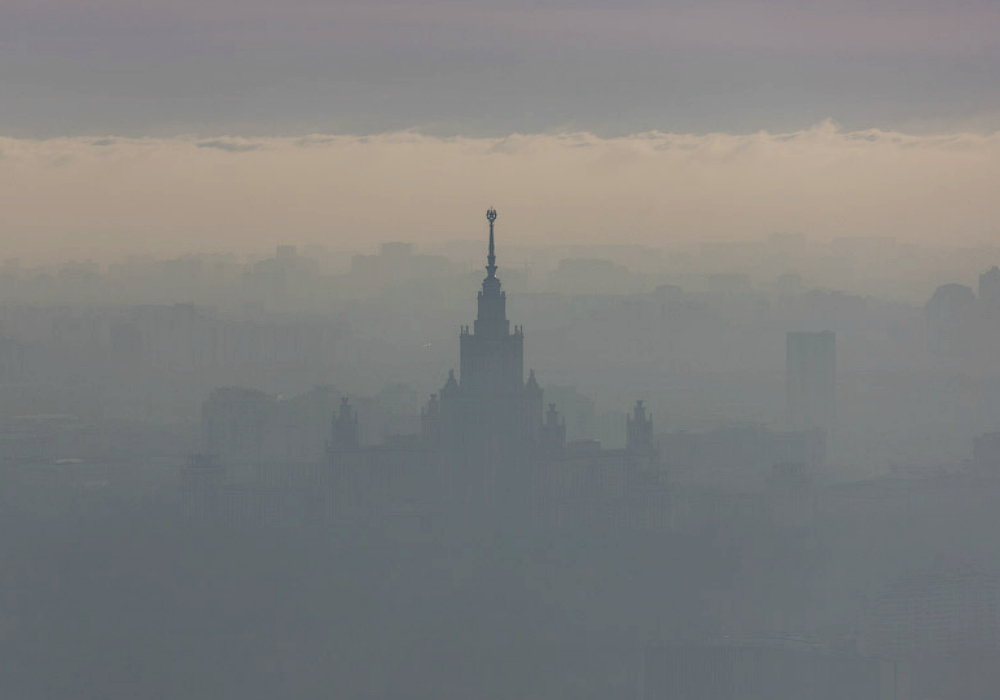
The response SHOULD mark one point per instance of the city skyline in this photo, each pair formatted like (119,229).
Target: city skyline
(618,554)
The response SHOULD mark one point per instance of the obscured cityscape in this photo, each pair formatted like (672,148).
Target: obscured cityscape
(759,470)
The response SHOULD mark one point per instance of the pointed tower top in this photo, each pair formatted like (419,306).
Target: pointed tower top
(532,384)
(552,416)
(451,385)
(491,258)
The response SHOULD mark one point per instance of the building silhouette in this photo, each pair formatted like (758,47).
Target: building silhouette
(989,287)
(485,452)
(491,415)
(810,380)
(487,449)
(584,488)
(577,411)
(951,316)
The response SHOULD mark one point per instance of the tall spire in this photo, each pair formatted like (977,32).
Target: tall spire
(491,259)
(492,318)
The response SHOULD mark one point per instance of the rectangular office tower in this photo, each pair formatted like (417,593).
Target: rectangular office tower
(810,380)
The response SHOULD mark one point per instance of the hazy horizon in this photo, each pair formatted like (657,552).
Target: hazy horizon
(154,128)
(126,196)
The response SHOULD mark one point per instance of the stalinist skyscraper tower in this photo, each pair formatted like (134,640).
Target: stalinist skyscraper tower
(491,416)
(484,460)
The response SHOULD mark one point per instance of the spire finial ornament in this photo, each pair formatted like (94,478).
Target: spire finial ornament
(491,258)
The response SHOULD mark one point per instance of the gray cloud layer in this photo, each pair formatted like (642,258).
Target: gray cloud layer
(73,197)
(489,67)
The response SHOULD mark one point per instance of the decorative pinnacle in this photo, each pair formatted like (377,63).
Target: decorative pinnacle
(491,259)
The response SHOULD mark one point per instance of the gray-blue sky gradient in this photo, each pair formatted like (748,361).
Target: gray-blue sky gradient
(493,67)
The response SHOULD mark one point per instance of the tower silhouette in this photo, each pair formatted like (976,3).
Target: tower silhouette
(491,416)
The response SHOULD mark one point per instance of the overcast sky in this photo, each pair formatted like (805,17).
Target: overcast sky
(166,124)
(492,67)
